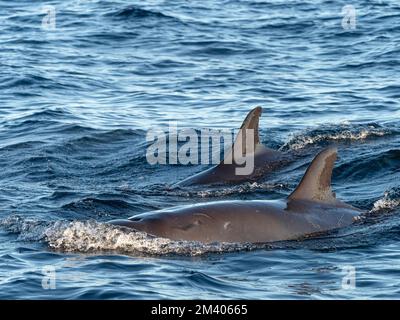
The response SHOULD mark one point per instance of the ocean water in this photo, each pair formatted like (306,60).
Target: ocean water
(78,96)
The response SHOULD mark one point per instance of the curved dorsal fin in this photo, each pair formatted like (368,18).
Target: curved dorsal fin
(251,122)
(316,183)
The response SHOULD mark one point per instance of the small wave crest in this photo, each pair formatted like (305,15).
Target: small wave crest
(215,191)
(133,11)
(246,188)
(343,132)
(389,201)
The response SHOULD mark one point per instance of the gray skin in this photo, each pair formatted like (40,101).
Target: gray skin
(312,208)
(266,160)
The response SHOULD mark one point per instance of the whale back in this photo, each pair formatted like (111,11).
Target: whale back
(246,148)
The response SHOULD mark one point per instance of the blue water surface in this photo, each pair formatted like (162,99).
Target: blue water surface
(77,98)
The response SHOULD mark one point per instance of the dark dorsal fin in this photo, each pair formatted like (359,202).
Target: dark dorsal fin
(316,183)
(251,122)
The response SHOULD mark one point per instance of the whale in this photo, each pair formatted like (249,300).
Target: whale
(311,209)
(265,160)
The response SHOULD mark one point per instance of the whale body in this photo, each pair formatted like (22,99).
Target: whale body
(266,160)
(312,208)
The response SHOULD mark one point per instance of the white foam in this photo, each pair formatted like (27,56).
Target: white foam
(88,236)
(390,201)
(246,187)
(385,204)
(343,132)
(93,236)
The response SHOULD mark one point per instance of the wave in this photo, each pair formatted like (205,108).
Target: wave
(369,166)
(343,132)
(215,191)
(389,202)
(45,115)
(73,137)
(103,137)
(22,145)
(136,12)
(27,229)
(92,236)
(245,188)
(116,204)
(28,84)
